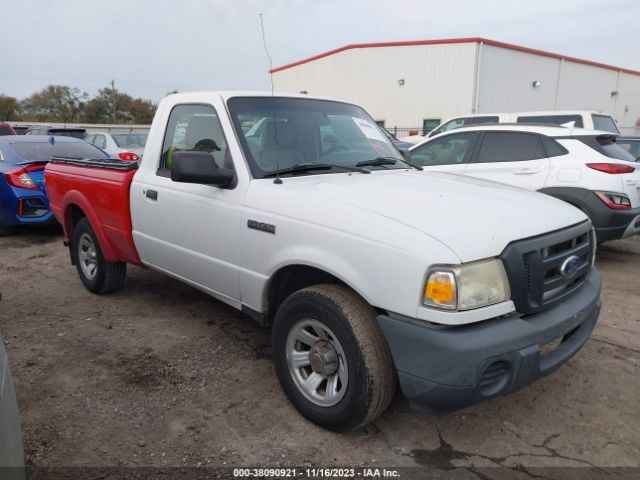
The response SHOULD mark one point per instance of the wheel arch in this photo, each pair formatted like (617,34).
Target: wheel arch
(292,278)
(78,207)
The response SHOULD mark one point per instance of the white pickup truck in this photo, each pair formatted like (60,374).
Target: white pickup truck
(300,212)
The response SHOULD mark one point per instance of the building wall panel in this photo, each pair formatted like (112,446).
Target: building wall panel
(438,80)
(583,87)
(506,80)
(627,104)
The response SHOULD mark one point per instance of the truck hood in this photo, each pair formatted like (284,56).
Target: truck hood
(474,218)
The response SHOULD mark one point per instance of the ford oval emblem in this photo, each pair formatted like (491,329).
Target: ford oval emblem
(570,266)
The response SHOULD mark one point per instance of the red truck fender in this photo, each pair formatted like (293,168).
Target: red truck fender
(73,197)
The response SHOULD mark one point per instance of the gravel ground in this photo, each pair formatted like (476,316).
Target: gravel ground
(159,374)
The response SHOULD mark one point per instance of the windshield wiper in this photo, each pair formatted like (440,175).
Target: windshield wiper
(309,167)
(380,161)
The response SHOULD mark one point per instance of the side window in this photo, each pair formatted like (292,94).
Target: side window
(452,149)
(194,128)
(90,139)
(631,146)
(553,119)
(604,122)
(100,141)
(478,120)
(553,148)
(455,123)
(510,147)
(451,124)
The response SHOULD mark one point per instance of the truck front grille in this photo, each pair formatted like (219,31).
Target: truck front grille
(544,269)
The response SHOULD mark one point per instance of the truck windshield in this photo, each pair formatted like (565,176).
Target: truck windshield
(278,133)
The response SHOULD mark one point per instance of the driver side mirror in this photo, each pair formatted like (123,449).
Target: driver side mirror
(200,167)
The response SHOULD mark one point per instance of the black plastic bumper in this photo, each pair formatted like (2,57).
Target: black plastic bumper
(445,369)
(616,224)
(608,223)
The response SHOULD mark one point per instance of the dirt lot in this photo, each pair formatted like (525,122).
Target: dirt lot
(160,374)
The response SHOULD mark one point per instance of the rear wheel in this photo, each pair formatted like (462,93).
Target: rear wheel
(97,274)
(331,357)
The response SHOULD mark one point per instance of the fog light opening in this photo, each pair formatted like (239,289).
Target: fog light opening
(495,377)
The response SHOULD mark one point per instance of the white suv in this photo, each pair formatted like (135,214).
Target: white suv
(583,167)
(577,118)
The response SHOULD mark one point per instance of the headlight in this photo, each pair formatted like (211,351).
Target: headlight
(467,286)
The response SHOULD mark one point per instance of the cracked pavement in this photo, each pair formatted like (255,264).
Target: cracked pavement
(159,374)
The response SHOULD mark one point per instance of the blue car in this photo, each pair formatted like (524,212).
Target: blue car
(23,197)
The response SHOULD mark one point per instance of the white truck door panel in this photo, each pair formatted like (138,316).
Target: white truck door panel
(189,230)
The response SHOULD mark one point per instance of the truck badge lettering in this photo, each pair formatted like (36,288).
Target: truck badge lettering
(264,227)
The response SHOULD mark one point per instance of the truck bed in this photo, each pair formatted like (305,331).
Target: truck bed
(99,189)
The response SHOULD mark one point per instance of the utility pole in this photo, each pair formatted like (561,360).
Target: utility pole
(113,101)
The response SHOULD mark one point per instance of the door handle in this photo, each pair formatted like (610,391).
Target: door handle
(151,194)
(526,171)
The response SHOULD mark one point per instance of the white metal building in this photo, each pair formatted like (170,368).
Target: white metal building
(411,84)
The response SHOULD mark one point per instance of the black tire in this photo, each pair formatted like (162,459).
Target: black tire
(372,379)
(108,276)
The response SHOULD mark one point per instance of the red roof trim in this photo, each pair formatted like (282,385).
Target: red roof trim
(456,40)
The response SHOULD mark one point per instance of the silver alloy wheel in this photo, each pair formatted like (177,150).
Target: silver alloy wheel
(317,362)
(87,256)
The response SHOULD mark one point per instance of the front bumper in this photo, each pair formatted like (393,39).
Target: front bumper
(443,369)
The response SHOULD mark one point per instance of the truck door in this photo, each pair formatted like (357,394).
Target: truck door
(514,158)
(190,230)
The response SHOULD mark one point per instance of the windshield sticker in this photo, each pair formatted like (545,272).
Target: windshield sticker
(369,129)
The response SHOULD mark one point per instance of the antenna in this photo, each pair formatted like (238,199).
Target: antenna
(277,180)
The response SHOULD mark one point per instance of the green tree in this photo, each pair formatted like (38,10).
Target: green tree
(8,108)
(55,103)
(128,109)
(96,110)
(142,111)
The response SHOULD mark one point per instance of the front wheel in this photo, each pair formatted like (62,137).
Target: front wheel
(97,274)
(331,357)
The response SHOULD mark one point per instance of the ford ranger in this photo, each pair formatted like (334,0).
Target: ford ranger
(299,212)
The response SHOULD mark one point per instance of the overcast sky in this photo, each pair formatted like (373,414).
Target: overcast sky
(152,46)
